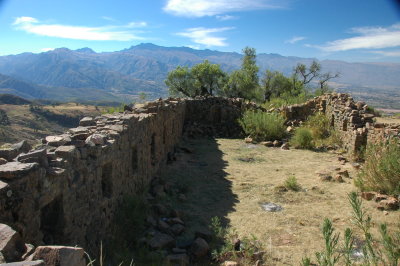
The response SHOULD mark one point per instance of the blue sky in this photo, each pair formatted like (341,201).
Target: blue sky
(350,30)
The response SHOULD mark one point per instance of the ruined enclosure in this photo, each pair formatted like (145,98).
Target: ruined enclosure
(68,190)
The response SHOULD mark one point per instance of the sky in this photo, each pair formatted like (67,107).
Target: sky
(349,30)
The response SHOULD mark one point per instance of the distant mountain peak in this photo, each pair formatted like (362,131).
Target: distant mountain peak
(85,50)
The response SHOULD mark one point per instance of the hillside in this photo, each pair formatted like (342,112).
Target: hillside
(83,74)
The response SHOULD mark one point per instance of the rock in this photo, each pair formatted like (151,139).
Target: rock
(29,249)
(3,161)
(179,250)
(160,241)
(16,169)
(96,139)
(344,173)
(204,233)
(177,229)
(338,178)
(22,146)
(230,263)
(379,197)
(289,129)
(175,220)
(391,204)
(67,152)
(177,259)
(163,226)
(325,177)
(60,255)
(285,146)
(267,143)
(56,140)
(368,195)
(87,122)
(248,140)
(9,153)
(38,156)
(11,245)
(199,248)
(276,143)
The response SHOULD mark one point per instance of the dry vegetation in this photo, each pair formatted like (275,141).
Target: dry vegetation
(229,179)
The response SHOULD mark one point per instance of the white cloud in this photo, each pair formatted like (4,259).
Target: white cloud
(105,33)
(368,38)
(205,36)
(295,39)
(201,8)
(225,17)
(388,53)
(46,49)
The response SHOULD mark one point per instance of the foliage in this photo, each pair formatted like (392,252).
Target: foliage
(286,99)
(243,83)
(224,248)
(320,125)
(263,126)
(381,171)
(114,109)
(203,79)
(291,183)
(302,139)
(385,251)
(276,85)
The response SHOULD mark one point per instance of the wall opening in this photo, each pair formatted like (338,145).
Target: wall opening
(153,149)
(52,222)
(344,128)
(134,160)
(333,121)
(106,180)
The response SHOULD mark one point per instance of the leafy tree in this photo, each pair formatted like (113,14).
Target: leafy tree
(275,84)
(203,79)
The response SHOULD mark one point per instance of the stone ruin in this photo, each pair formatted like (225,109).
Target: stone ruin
(67,190)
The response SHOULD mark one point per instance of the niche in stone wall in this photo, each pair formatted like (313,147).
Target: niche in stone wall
(106,180)
(333,121)
(134,159)
(344,128)
(153,149)
(52,222)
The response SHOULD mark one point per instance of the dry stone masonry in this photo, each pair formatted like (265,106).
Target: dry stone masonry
(67,190)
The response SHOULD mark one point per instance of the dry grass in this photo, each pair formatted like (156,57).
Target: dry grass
(220,184)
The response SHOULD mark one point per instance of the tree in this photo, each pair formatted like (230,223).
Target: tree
(203,79)
(275,84)
(243,83)
(181,82)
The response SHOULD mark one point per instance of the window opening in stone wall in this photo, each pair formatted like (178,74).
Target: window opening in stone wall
(106,180)
(52,222)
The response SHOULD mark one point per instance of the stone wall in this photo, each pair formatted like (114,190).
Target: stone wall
(68,190)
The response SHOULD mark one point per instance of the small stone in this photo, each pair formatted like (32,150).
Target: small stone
(285,146)
(339,178)
(344,173)
(276,143)
(87,121)
(160,241)
(177,229)
(325,178)
(248,140)
(60,255)
(230,263)
(368,195)
(289,129)
(176,220)
(356,165)
(267,143)
(56,140)
(380,197)
(163,226)
(390,204)
(199,248)
(177,259)
(3,161)
(96,139)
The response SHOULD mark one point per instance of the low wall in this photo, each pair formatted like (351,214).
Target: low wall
(68,190)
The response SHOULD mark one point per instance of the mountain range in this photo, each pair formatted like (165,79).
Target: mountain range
(64,74)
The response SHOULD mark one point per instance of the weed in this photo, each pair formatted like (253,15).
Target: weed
(291,183)
(381,171)
(263,126)
(302,139)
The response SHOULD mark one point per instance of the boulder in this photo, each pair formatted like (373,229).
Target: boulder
(199,248)
(285,146)
(368,195)
(16,169)
(38,156)
(11,245)
(56,141)
(160,241)
(60,255)
(87,122)
(177,229)
(96,139)
(9,153)
(391,204)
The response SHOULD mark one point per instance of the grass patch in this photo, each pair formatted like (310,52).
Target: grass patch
(263,126)
(381,171)
(292,184)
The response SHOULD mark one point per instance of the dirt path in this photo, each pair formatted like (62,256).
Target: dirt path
(229,179)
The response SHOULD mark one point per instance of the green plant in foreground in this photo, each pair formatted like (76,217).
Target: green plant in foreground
(263,126)
(291,183)
(371,249)
(302,139)
(381,171)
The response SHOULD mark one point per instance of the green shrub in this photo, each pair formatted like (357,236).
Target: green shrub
(291,183)
(287,99)
(381,171)
(263,126)
(302,139)
(320,125)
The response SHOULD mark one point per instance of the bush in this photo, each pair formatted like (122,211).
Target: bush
(302,139)
(319,125)
(291,183)
(287,99)
(381,171)
(263,126)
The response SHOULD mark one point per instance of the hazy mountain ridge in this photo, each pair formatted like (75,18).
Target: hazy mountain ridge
(143,68)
